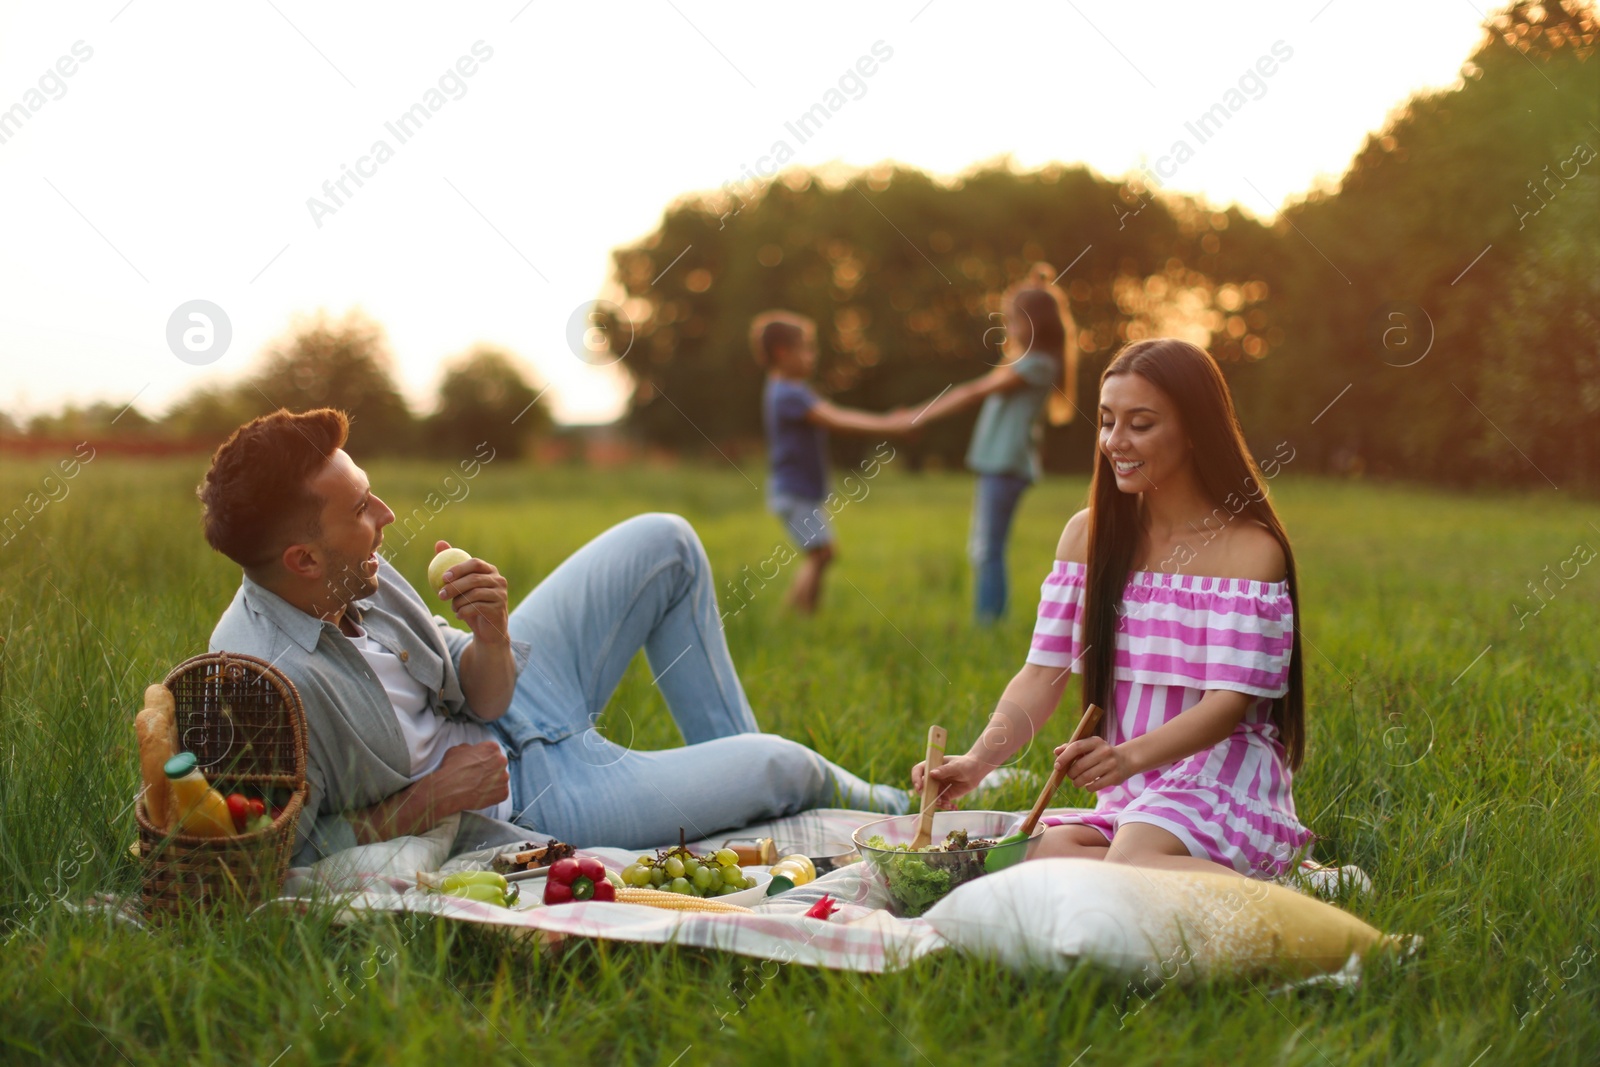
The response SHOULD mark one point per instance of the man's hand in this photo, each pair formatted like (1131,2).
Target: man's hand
(470,777)
(477,594)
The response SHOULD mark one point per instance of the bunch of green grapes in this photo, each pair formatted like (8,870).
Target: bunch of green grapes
(677,870)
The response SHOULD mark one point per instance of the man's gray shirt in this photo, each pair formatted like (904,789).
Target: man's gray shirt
(357,755)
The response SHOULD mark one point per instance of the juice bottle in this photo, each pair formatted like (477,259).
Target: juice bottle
(753,850)
(198,809)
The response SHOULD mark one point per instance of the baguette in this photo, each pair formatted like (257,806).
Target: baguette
(155,748)
(160,698)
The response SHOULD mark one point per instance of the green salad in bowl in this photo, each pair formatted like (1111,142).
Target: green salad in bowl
(917,880)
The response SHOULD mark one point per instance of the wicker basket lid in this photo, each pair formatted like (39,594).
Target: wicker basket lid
(240,714)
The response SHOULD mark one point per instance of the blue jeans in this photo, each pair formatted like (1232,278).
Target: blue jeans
(992,511)
(646,583)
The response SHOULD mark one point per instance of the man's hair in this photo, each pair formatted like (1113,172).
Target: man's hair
(778,329)
(255,496)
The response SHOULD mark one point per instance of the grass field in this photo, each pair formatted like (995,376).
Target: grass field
(1454,754)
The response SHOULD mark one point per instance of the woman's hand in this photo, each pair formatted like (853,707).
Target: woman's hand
(1094,764)
(956,776)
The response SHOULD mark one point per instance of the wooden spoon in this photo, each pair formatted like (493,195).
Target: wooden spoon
(996,859)
(930,788)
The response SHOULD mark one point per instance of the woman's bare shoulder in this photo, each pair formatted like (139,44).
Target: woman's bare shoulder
(1255,554)
(1074,544)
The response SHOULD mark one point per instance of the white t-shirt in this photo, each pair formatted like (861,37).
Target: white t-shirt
(428,735)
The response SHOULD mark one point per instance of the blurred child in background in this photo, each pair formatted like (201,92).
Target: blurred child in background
(796,422)
(1037,378)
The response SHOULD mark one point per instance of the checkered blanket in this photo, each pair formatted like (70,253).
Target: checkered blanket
(861,936)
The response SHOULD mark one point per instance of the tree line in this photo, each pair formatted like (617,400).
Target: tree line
(485,396)
(1433,317)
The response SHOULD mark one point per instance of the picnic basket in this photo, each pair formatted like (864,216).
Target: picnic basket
(244,721)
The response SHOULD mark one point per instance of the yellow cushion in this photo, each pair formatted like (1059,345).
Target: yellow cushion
(1166,924)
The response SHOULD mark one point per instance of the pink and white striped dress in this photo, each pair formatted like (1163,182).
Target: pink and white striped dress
(1180,635)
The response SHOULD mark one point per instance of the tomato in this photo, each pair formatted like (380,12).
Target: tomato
(257,808)
(239,808)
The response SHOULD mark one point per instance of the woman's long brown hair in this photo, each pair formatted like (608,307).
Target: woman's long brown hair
(1190,378)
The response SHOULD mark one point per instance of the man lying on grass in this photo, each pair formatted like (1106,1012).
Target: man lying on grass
(411,719)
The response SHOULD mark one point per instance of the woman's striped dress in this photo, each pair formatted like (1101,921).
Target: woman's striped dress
(1180,635)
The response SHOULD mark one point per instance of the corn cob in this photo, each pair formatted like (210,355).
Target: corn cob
(657,898)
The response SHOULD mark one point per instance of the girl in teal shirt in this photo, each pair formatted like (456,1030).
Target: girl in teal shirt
(1036,379)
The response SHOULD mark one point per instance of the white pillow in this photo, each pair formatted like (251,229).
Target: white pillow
(1166,924)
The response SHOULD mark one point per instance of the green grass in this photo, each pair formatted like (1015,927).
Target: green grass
(1465,784)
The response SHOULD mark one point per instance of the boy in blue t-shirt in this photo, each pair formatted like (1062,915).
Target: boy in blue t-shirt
(796,421)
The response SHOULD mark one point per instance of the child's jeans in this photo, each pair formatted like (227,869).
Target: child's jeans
(993,509)
(646,583)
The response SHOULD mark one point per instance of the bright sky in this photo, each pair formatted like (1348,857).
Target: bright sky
(175,162)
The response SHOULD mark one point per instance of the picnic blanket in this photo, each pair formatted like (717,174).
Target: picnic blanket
(1153,926)
(861,936)
(1051,913)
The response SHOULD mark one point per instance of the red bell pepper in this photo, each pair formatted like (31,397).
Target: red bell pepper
(577,878)
(823,908)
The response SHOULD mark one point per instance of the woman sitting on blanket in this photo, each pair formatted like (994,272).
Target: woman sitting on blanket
(1173,595)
